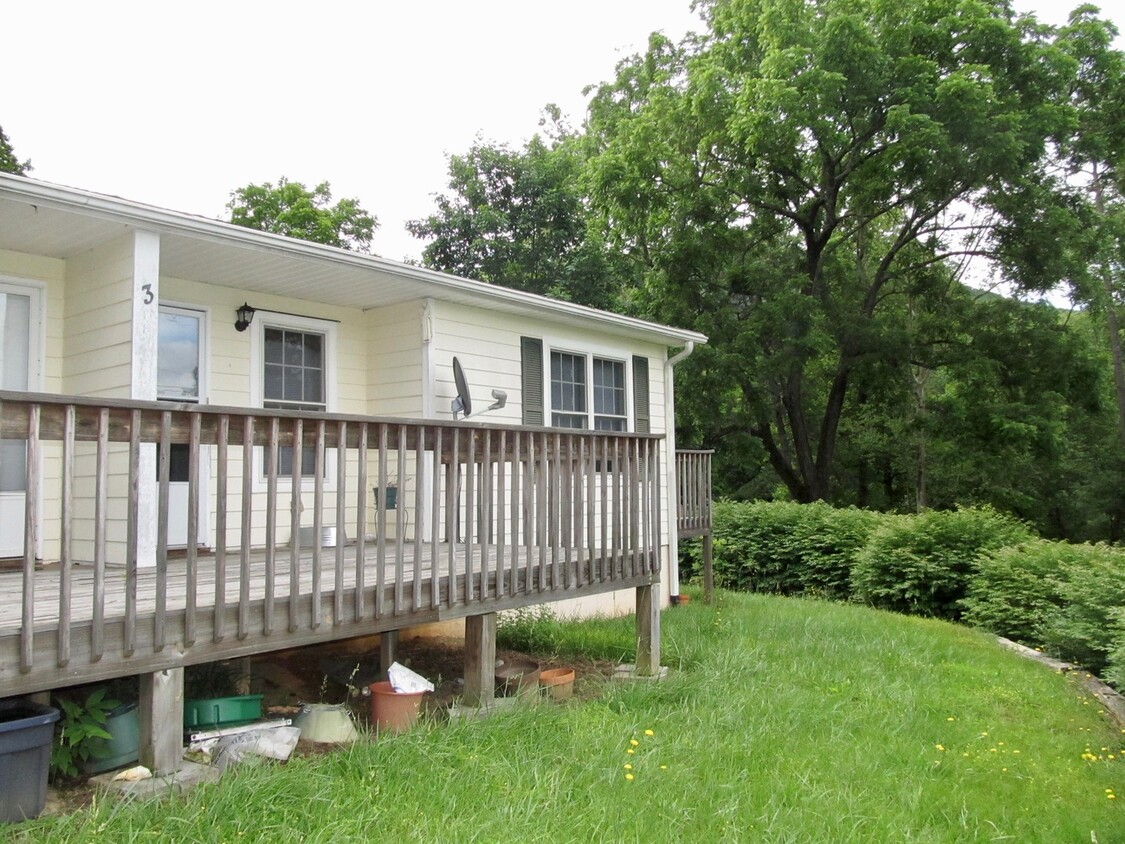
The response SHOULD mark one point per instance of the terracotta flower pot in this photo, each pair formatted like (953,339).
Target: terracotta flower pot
(558,682)
(391,710)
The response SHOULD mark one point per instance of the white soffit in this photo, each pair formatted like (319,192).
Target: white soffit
(40,218)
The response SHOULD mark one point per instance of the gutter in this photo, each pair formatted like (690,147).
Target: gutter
(670,439)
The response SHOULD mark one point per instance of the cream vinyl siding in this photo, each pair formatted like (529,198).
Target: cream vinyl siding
(394,360)
(97,361)
(98,321)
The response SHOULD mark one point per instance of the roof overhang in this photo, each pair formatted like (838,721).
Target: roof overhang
(55,221)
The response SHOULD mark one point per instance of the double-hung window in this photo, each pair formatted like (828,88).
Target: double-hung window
(588,392)
(593,389)
(293,378)
(294,370)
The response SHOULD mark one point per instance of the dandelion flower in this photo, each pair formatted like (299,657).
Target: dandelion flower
(664,767)
(633,742)
(939,747)
(629,777)
(649,733)
(630,751)
(628,767)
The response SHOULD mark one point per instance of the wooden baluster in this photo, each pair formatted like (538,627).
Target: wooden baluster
(222,457)
(246,525)
(101,484)
(318,525)
(66,534)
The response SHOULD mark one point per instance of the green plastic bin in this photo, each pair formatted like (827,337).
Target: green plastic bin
(216,712)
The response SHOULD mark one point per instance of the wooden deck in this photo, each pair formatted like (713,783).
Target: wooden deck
(536,516)
(255,611)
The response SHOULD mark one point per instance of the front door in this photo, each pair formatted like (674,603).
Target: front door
(19,366)
(180,357)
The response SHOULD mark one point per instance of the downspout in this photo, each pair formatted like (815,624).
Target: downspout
(670,439)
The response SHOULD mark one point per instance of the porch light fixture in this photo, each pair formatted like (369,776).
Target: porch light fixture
(245,317)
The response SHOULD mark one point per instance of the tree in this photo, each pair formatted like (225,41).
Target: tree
(293,210)
(8,161)
(801,179)
(518,218)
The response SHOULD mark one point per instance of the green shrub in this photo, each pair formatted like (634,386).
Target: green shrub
(783,548)
(1115,672)
(1016,587)
(921,564)
(1092,590)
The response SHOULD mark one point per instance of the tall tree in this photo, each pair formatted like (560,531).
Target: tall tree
(518,218)
(801,175)
(293,210)
(8,161)
(1091,156)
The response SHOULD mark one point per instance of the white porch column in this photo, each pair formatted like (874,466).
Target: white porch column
(146,321)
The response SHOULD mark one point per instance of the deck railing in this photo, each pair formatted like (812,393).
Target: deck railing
(693,496)
(487,517)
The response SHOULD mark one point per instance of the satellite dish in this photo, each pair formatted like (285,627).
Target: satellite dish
(463,404)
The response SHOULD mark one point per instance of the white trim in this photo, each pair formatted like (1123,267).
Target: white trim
(617,354)
(330,330)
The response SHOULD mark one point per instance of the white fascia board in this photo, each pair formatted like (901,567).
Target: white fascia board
(436,283)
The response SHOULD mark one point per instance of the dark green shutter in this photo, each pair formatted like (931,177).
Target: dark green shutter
(531,374)
(640,394)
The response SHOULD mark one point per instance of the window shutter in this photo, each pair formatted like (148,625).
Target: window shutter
(531,375)
(640,394)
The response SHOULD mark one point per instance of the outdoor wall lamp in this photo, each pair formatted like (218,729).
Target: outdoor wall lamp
(245,317)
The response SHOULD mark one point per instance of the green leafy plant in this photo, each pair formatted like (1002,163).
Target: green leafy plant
(784,548)
(78,726)
(921,565)
(533,629)
(1082,628)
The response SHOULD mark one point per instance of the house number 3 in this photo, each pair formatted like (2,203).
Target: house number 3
(147,288)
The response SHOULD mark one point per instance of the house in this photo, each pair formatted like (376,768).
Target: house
(202,428)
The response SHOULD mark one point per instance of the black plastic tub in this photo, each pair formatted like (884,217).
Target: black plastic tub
(26,730)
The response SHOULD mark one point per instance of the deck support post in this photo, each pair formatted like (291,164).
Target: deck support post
(648,630)
(708,568)
(161,721)
(242,667)
(388,646)
(480,659)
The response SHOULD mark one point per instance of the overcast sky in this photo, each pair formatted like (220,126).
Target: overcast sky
(177,104)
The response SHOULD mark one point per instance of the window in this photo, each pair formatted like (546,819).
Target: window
(293,369)
(179,355)
(587,391)
(610,412)
(293,379)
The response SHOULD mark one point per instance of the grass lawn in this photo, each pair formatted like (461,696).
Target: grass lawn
(782,720)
